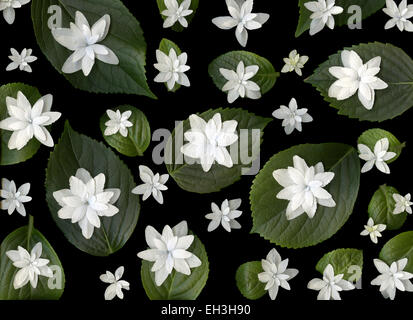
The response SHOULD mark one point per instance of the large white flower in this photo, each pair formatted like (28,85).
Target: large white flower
(294,62)
(118,122)
(21,60)
(323,12)
(8,7)
(225,216)
(304,188)
(31,266)
(175,12)
(399,15)
(239,83)
(356,76)
(116,285)
(26,122)
(292,116)
(378,158)
(86,201)
(152,184)
(275,273)
(373,230)
(392,278)
(242,18)
(172,68)
(208,141)
(13,197)
(403,204)
(169,251)
(85,42)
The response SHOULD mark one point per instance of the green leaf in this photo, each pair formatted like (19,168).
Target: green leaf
(139,135)
(268,212)
(265,77)
(396,71)
(344,261)
(191,177)
(76,151)
(178,286)
(8,156)
(247,280)
(165,46)
(125,38)
(368,7)
(177,26)
(401,246)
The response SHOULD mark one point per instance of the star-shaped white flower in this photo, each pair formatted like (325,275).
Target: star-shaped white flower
(372,230)
(86,201)
(304,188)
(323,14)
(356,76)
(13,197)
(292,116)
(152,184)
(275,273)
(8,7)
(31,266)
(294,62)
(208,141)
(21,60)
(239,83)
(378,158)
(85,42)
(26,122)
(403,204)
(118,122)
(116,285)
(399,15)
(169,251)
(225,216)
(176,12)
(330,285)
(172,68)
(392,278)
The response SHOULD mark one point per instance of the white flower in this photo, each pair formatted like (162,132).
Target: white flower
(86,201)
(304,188)
(239,83)
(373,230)
(21,60)
(292,116)
(14,198)
(84,41)
(403,204)
(378,158)
(294,62)
(242,18)
(356,76)
(118,122)
(399,15)
(26,122)
(225,216)
(392,278)
(152,184)
(169,251)
(176,12)
(323,12)
(208,141)
(330,285)
(31,266)
(8,6)
(275,273)
(115,284)
(172,68)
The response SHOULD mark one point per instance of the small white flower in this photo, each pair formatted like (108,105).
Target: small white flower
(152,184)
(372,230)
(392,278)
(330,285)
(403,204)
(26,122)
(86,201)
(31,266)
(169,251)
(275,273)
(399,15)
(8,6)
(304,188)
(118,122)
(225,216)
(239,83)
(292,116)
(116,285)
(21,60)
(378,158)
(294,62)
(85,42)
(172,68)
(242,18)
(176,12)
(13,197)
(208,141)
(356,76)
(323,12)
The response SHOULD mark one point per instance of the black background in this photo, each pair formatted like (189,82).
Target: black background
(204,42)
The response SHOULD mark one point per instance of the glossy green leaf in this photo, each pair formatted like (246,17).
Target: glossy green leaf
(401,246)
(165,46)
(247,280)
(177,26)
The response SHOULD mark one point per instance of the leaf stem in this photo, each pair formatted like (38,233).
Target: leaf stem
(29,231)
